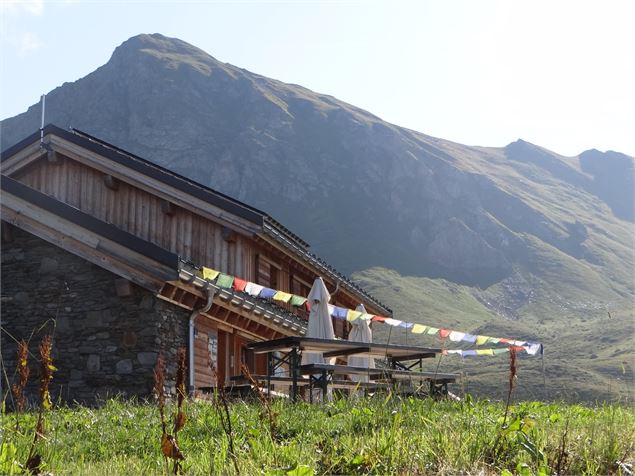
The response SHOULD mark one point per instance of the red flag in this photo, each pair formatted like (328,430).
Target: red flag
(239,284)
(443,333)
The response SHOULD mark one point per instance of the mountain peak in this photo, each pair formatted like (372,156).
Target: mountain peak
(172,51)
(521,147)
(158,42)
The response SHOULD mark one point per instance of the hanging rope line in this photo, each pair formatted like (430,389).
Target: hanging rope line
(226,281)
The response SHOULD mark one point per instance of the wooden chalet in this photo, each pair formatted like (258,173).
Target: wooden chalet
(102,249)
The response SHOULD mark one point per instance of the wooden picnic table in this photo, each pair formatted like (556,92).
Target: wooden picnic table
(403,363)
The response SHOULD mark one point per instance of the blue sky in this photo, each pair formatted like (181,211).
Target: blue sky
(559,74)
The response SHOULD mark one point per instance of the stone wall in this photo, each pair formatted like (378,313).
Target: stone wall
(107,332)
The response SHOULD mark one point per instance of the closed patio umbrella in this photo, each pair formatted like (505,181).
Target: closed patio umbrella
(360,332)
(320,324)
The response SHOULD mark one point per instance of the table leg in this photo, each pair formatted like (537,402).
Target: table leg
(270,370)
(294,364)
(324,385)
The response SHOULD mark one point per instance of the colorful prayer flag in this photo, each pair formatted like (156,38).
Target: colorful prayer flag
(481,340)
(340,312)
(253,289)
(485,351)
(297,301)
(443,333)
(210,274)
(267,293)
(419,329)
(282,296)
(456,336)
(224,281)
(432,331)
(392,322)
(352,315)
(533,349)
(239,284)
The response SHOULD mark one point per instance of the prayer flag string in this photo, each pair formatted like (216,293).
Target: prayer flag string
(255,290)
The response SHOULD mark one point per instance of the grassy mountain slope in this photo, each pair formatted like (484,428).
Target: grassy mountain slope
(588,355)
(517,237)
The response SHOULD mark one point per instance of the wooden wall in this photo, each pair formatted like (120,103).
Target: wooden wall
(192,237)
(181,231)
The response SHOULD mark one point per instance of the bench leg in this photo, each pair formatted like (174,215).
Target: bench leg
(294,364)
(325,385)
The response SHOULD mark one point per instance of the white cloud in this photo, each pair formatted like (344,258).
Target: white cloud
(27,42)
(15,7)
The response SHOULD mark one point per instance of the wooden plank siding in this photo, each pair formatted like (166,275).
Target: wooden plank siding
(140,213)
(183,232)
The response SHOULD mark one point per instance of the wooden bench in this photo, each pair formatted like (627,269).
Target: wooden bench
(311,382)
(323,376)
(393,377)
(377,373)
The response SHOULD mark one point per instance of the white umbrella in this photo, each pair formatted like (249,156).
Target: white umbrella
(360,332)
(320,324)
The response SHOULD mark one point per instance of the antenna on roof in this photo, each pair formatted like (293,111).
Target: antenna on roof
(43,101)
(51,155)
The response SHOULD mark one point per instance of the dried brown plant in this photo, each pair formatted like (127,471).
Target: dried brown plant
(169,445)
(47,368)
(221,405)
(179,417)
(268,412)
(23,377)
(159,392)
(181,392)
(46,371)
(513,369)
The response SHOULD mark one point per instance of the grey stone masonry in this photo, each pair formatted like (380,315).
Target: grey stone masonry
(104,344)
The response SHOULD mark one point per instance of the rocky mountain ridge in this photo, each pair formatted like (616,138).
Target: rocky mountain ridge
(362,191)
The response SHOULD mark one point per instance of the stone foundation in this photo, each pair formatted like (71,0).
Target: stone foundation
(107,332)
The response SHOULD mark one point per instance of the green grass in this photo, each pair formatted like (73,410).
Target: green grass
(380,435)
(588,355)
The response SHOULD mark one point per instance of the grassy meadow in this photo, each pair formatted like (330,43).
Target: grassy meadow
(383,434)
(588,338)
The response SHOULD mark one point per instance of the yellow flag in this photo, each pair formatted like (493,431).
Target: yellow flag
(209,273)
(352,315)
(484,351)
(282,296)
(419,329)
(480,340)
